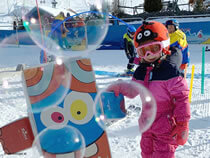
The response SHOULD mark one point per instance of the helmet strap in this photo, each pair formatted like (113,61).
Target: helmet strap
(162,57)
(175,27)
(164,53)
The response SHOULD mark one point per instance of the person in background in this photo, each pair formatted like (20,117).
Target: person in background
(178,41)
(58,28)
(14,25)
(69,23)
(129,48)
(159,72)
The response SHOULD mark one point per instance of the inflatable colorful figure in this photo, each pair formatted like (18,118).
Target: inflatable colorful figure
(63,95)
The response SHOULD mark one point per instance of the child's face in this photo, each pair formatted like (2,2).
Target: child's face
(132,34)
(150,51)
(171,28)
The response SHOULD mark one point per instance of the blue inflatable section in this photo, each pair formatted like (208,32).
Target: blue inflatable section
(114,37)
(197,33)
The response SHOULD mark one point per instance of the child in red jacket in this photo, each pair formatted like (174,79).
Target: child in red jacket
(159,72)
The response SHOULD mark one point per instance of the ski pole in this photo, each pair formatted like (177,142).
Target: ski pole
(191,82)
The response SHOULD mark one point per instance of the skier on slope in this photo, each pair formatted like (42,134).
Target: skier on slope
(129,48)
(178,40)
(159,72)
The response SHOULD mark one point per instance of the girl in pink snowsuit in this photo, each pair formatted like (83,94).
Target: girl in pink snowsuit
(159,72)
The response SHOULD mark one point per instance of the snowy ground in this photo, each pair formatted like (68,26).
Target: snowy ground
(126,144)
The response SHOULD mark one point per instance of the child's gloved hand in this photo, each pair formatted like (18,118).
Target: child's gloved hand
(181,132)
(183,66)
(125,88)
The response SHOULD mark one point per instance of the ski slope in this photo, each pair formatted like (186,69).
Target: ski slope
(125,143)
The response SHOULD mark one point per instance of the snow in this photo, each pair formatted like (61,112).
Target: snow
(125,143)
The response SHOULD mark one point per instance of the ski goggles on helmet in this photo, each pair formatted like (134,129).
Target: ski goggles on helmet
(150,49)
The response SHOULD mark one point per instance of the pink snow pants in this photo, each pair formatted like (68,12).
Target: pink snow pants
(157,142)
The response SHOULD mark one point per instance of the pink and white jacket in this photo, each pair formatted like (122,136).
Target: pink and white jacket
(165,81)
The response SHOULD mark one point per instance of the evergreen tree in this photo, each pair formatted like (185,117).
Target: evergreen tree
(198,6)
(152,5)
(116,11)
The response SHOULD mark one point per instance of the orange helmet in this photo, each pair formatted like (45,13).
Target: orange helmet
(151,30)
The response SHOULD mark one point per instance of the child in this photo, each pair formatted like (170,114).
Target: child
(159,72)
(129,48)
(178,40)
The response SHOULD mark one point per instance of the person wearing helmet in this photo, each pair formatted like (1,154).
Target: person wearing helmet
(178,40)
(129,48)
(159,72)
